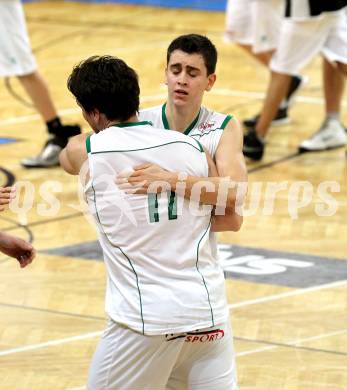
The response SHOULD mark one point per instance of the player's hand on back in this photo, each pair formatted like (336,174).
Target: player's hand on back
(145,178)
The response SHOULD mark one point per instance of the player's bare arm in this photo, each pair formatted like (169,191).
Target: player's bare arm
(228,220)
(74,155)
(17,248)
(144,175)
(230,162)
(230,171)
(141,181)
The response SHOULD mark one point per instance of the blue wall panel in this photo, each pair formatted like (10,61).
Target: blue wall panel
(211,5)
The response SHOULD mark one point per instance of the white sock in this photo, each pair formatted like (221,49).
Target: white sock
(333,116)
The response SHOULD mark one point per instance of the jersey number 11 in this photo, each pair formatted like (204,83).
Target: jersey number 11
(153,206)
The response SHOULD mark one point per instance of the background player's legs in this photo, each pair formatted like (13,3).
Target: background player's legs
(331,133)
(17,60)
(278,86)
(281,114)
(299,42)
(334,84)
(254,26)
(262,57)
(342,68)
(253,141)
(36,87)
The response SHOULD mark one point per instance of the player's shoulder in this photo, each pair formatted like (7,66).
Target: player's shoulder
(175,137)
(77,142)
(232,134)
(233,125)
(210,120)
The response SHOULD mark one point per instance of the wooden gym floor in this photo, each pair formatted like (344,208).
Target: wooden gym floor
(287,273)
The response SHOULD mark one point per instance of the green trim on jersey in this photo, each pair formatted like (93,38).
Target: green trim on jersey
(226,121)
(129,261)
(166,122)
(202,276)
(151,147)
(88,144)
(203,134)
(130,124)
(191,126)
(96,209)
(200,146)
(137,284)
(164,118)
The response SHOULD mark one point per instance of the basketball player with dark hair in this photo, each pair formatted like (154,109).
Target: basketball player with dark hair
(190,72)
(169,323)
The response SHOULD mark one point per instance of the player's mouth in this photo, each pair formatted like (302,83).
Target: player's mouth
(181,92)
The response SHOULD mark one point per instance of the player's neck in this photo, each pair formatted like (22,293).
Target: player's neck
(132,119)
(180,118)
(110,123)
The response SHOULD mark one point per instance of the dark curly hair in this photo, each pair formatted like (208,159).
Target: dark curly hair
(108,84)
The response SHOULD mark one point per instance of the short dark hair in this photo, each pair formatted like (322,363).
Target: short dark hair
(108,84)
(195,44)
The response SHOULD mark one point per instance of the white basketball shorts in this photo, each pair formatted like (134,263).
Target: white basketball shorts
(199,360)
(16,57)
(254,23)
(301,40)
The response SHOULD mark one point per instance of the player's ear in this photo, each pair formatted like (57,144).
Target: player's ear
(211,79)
(96,119)
(95,114)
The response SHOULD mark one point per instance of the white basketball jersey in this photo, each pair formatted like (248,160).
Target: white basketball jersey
(161,274)
(207,127)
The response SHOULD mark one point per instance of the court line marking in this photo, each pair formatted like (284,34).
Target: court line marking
(50,343)
(78,388)
(287,294)
(290,346)
(241,304)
(220,92)
(149,98)
(261,95)
(67,111)
(49,311)
(96,334)
(318,101)
(296,343)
